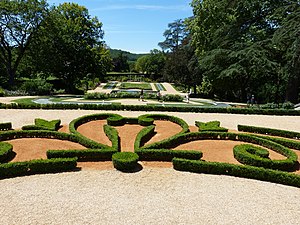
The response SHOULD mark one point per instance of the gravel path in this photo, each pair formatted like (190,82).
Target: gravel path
(151,196)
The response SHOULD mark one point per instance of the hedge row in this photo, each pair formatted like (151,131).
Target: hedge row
(15,169)
(153,108)
(210,126)
(91,155)
(5,151)
(143,136)
(198,166)
(255,156)
(288,164)
(285,142)
(5,126)
(10,135)
(41,124)
(269,131)
(113,136)
(125,161)
(167,154)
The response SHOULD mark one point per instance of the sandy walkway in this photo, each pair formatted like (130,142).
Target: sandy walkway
(151,196)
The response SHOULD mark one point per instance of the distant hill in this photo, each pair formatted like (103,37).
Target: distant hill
(131,56)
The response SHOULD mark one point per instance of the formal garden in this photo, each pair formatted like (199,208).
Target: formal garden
(251,152)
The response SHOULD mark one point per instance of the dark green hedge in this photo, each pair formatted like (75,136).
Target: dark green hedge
(255,156)
(153,108)
(41,124)
(5,126)
(91,155)
(125,161)
(269,131)
(143,136)
(258,173)
(167,154)
(113,136)
(5,151)
(15,169)
(10,135)
(210,126)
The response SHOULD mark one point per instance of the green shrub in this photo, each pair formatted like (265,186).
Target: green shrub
(15,169)
(172,98)
(143,136)
(5,151)
(255,156)
(167,154)
(210,126)
(37,87)
(145,86)
(90,155)
(2,92)
(198,166)
(269,131)
(125,161)
(41,124)
(96,95)
(5,126)
(113,136)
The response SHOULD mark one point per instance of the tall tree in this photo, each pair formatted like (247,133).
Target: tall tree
(174,35)
(20,21)
(70,46)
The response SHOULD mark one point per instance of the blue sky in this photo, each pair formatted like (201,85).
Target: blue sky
(135,25)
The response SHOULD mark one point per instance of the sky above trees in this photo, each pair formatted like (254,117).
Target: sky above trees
(135,25)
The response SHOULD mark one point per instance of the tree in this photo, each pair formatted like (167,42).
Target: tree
(233,41)
(70,46)
(174,35)
(120,63)
(20,21)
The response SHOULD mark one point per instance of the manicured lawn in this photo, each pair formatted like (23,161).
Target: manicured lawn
(145,86)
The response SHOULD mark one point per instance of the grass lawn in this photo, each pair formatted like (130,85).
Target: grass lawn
(145,86)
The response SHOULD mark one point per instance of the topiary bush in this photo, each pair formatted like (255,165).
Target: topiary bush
(5,126)
(5,151)
(125,161)
(210,126)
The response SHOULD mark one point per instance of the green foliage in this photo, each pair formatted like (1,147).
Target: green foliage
(255,156)
(210,126)
(269,131)
(172,98)
(5,151)
(198,166)
(125,161)
(96,95)
(167,155)
(2,92)
(37,87)
(86,155)
(41,124)
(15,169)
(5,126)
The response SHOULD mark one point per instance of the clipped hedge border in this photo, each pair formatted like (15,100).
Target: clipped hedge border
(41,124)
(210,126)
(231,110)
(5,126)
(8,170)
(287,164)
(167,154)
(255,156)
(269,131)
(10,135)
(91,155)
(143,136)
(5,151)
(125,161)
(198,166)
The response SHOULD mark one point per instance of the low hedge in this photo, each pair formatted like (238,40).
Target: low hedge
(113,136)
(153,108)
(125,161)
(167,154)
(285,142)
(210,126)
(41,124)
(256,156)
(269,131)
(10,135)
(5,126)
(91,155)
(6,150)
(143,136)
(258,173)
(15,169)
